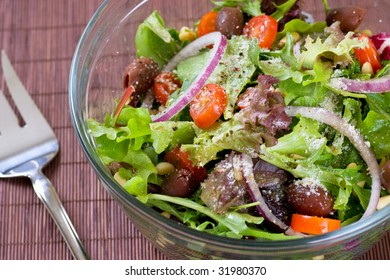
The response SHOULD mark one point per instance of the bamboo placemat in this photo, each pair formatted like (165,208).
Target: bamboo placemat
(39,37)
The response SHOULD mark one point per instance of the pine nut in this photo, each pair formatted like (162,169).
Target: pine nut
(187,34)
(361,184)
(383,202)
(166,214)
(367,32)
(164,168)
(119,179)
(295,35)
(367,68)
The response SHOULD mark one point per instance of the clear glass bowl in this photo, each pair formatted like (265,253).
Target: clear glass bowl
(105,49)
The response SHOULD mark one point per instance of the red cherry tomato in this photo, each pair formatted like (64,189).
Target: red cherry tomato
(313,225)
(181,160)
(368,54)
(208,105)
(262,27)
(164,85)
(207,23)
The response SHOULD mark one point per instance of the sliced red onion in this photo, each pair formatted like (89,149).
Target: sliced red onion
(219,43)
(382,44)
(246,167)
(356,139)
(376,85)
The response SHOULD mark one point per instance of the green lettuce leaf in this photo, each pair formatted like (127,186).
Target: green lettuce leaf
(335,47)
(282,64)
(251,7)
(376,129)
(302,27)
(166,135)
(311,157)
(189,68)
(231,224)
(208,143)
(283,9)
(138,142)
(154,40)
(311,95)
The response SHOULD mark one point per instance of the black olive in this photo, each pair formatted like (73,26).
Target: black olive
(310,198)
(349,17)
(179,183)
(152,188)
(230,21)
(140,74)
(385,175)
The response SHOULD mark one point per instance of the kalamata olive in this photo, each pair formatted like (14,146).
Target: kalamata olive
(152,188)
(385,175)
(179,183)
(114,166)
(269,6)
(310,198)
(267,174)
(276,198)
(349,17)
(273,183)
(140,74)
(230,21)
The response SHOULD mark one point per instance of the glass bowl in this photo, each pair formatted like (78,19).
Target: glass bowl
(102,54)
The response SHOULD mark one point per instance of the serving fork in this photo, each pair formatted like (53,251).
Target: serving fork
(26,149)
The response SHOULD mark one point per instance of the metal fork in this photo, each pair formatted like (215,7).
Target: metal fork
(25,150)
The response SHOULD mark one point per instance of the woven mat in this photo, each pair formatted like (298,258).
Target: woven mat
(39,37)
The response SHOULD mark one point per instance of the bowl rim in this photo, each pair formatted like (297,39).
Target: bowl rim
(328,240)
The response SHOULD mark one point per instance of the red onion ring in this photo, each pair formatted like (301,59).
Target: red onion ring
(356,139)
(376,85)
(246,166)
(219,43)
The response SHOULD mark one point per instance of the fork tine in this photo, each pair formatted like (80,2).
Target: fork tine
(22,99)
(8,119)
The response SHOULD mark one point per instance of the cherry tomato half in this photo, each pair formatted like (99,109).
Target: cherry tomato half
(262,27)
(164,85)
(207,23)
(368,54)
(208,105)
(313,225)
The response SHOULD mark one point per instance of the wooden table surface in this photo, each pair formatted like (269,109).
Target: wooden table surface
(40,37)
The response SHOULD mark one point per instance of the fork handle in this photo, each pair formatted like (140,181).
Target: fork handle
(48,195)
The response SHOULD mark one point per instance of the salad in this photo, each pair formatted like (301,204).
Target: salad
(256,122)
